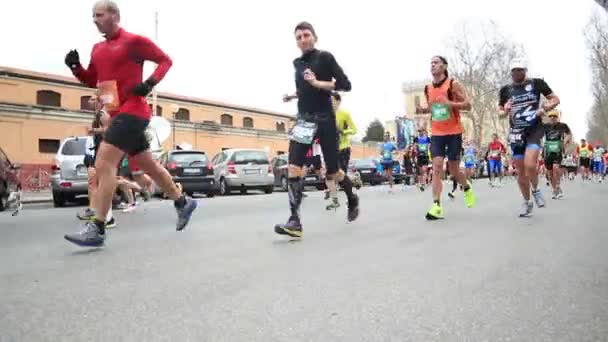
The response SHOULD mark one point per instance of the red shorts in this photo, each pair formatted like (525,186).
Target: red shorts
(135,169)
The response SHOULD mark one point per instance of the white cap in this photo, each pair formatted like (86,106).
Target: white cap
(519,64)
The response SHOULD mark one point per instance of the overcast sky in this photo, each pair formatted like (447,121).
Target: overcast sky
(241,51)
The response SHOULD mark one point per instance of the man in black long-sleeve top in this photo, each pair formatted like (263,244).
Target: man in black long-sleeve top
(317,75)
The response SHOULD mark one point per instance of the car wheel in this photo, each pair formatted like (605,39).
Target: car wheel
(210,194)
(58,199)
(243,191)
(269,189)
(284,184)
(320,187)
(224,188)
(190,194)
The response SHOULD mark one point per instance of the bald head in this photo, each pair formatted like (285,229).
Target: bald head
(106,16)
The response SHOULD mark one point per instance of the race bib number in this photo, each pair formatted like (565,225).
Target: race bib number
(423,148)
(516,138)
(440,112)
(469,159)
(494,154)
(584,153)
(387,155)
(303,132)
(553,146)
(108,95)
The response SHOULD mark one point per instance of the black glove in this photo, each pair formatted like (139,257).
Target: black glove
(143,89)
(72,59)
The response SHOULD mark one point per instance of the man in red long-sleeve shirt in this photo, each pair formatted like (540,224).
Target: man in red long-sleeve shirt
(115,69)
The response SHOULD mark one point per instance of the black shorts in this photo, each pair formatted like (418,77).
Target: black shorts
(585,162)
(531,139)
(326,132)
(344,159)
(314,161)
(89,160)
(387,164)
(423,160)
(446,145)
(552,159)
(127,132)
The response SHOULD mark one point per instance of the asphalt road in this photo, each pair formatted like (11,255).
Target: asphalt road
(481,274)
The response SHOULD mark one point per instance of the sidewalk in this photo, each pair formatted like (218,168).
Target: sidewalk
(37,196)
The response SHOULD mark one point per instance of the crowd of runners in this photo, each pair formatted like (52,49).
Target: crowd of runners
(536,145)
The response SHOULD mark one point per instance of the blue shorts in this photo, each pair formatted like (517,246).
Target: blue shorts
(598,167)
(495,166)
(531,141)
(387,164)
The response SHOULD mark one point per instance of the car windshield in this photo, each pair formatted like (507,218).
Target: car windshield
(188,157)
(253,157)
(365,163)
(74,147)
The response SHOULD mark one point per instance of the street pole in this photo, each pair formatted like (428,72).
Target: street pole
(154,95)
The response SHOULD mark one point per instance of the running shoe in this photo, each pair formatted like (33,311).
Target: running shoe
(89,236)
(86,215)
(538,198)
(292,228)
(111,223)
(184,214)
(435,213)
(451,195)
(469,197)
(526,209)
(129,209)
(334,205)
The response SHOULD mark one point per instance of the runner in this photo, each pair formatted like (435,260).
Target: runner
(521,102)
(446,98)
(116,68)
(583,153)
(387,150)
(423,148)
(317,74)
(346,129)
(496,150)
(598,162)
(469,153)
(101,121)
(557,136)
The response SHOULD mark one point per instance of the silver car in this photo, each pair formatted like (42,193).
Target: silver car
(243,169)
(70,177)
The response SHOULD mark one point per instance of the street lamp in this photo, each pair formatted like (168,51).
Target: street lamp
(174,110)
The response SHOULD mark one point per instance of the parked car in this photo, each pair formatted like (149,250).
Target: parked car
(9,180)
(243,169)
(70,176)
(368,169)
(279,169)
(192,170)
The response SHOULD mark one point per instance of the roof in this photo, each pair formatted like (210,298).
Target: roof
(71,81)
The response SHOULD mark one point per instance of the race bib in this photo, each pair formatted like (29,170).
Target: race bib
(423,148)
(516,138)
(494,154)
(440,112)
(553,146)
(387,155)
(469,159)
(303,132)
(584,153)
(108,95)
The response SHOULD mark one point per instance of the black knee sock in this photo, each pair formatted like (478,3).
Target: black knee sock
(454,184)
(294,190)
(101,225)
(347,186)
(180,202)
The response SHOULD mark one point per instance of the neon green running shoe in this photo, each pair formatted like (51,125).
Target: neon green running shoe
(436,212)
(469,197)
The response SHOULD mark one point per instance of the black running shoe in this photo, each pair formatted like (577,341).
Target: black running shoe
(88,237)
(353,208)
(184,214)
(451,195)
(111,223)
(292,228)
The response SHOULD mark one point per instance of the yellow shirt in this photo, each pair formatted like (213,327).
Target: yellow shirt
(343,120)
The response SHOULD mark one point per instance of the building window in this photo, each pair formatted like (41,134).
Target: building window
(280,153)
(85,104)
(226,119)
(280,127)
(48,98)
(182,114)
(159,109)
(247,122)
(48,145)
(225,148)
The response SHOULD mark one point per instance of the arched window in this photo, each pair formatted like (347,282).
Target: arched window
(226,119)
(182,114)
(48,98)
(247,122)
(85,104)
(280,127)
(159,109)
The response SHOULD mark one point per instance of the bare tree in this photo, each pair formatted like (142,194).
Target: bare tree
(596,35)
(479,57)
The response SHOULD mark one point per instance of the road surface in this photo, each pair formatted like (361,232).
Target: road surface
(481,274)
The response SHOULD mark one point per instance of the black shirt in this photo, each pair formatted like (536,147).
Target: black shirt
(313,100)
(556,132)
(526,101)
